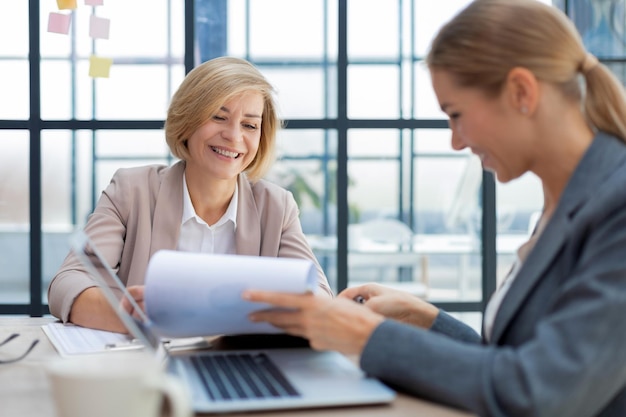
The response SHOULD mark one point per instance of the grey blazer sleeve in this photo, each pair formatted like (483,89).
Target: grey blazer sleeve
(558,347)
(565,358)
(448,325)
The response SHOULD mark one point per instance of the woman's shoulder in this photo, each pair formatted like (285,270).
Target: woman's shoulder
(143,180)
(265,192)
(146,174)
(144,171)
(267,186)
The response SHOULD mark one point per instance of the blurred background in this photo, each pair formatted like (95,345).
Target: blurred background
(366,150)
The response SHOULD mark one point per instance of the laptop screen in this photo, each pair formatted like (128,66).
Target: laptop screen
(104,276)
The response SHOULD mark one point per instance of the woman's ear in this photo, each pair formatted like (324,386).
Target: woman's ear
(522,90)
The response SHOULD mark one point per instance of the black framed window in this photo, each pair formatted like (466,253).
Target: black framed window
(365,142)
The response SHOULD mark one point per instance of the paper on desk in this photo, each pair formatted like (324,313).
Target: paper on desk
(69,339)
(198,294)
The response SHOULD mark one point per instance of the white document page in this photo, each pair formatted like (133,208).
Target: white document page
(198,294)
(69,339)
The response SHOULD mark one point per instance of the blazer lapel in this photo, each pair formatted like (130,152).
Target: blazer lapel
(168,210)
(248,233)
(604,154)
(539,258)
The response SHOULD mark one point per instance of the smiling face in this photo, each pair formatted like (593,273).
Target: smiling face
(225,145)
(487,126)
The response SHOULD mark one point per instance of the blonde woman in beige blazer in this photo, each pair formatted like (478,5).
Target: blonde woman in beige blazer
(222,125)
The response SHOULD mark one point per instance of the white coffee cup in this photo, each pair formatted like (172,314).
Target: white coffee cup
(120,384)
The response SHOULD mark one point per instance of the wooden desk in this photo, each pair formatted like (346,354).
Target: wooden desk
(24,389)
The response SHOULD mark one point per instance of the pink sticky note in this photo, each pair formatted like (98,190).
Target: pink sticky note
(99,27)
(59,23)
(94,2)
(99,67)
(66,4)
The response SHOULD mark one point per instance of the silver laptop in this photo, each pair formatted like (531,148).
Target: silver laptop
(244,379)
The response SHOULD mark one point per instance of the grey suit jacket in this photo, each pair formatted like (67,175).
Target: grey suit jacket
(558,346)
(140,213)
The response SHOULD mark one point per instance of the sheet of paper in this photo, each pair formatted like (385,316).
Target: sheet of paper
(99,67)
(195,294)
(99,27)
(59,23)
(69,339)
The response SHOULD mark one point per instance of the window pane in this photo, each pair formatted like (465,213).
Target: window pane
(447,195)
(295,83)
(303,169)
(59,182)
(306,167)
(435,141)
(13,61)
(134,92)
(140,28)
(14,29)
(15,90)
(67,168)
(373,91)
(448,214)
(58,96)
(286,29)
(14,217)
(602,26)
(131,143)
(373,29)
(121,149)
(428,17)
(426,104)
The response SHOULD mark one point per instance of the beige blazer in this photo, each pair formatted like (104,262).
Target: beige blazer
(140,212)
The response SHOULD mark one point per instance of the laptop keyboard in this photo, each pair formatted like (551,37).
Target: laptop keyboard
(235,376)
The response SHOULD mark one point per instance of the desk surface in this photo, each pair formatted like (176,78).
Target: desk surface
(24,389)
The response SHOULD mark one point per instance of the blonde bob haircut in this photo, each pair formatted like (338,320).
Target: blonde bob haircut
(205,90)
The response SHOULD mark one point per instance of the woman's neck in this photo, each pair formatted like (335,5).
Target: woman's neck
(210,197)
(560,148)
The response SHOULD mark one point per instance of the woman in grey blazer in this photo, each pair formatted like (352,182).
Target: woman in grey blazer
(521,93)
(222,125)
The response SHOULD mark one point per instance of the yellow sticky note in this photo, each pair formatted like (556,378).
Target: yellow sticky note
(99,67)
(66,4)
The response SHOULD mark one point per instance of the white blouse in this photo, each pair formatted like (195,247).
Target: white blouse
(498,296)
(197,236)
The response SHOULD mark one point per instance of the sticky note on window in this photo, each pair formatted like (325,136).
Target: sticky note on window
(99,27)
(59,23)
(66,4)
(94,2)
(99,67)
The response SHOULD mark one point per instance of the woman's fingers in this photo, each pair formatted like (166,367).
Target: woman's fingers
(137,292)
(278,299)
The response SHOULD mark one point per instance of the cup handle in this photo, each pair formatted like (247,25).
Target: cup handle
(175,396)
